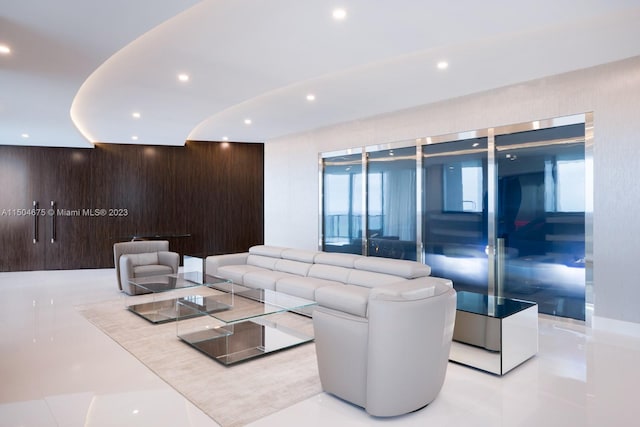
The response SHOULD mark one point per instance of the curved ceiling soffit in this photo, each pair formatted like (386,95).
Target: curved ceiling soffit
(412,80)
(398,74)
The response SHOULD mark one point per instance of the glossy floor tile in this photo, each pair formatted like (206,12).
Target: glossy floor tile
(56,369)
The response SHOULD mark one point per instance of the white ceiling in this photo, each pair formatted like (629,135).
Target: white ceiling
(79,68)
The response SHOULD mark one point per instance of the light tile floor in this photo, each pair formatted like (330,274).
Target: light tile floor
(56,369)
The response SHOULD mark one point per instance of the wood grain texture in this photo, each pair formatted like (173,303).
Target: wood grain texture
(210,191)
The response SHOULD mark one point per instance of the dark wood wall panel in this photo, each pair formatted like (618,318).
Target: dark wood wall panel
(211,191)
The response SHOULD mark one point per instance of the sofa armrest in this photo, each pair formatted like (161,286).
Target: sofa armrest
(171,259)
(214,262)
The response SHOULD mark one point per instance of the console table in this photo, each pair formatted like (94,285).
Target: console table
(494,334)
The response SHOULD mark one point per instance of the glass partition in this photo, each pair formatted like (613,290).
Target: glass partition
(541,218)
(454,221)
(342,203)
(391,203)
(503,211)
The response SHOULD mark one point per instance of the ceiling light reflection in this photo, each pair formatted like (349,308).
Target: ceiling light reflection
(339,14)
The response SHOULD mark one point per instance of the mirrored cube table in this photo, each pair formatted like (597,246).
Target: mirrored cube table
(155,297)
(494,334)
(257,323)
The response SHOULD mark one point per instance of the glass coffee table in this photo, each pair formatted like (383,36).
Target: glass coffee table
(256,322)
(155,297)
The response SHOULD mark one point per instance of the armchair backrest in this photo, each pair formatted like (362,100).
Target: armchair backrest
(137,247)
(410,336)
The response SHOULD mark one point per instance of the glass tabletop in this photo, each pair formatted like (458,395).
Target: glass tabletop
(170,282)
(489,305)
(243,303)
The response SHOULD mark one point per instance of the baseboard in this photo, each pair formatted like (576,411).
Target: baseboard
(616,326)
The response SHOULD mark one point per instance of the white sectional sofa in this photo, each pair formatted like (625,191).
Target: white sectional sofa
(338,281)
(383,327)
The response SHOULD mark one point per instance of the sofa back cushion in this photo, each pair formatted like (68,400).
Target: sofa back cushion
(337,259)
(370,279)
(262,261)
(293,267)
(299,255)
(397,267)
(268,251)
(329,272)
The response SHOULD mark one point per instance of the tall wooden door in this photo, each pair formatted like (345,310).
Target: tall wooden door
(21,215)
(45,201)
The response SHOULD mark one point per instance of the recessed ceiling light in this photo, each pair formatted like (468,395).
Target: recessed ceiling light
(183,77)
(225,138)
(25,135)
(135,115)
(311,97)
(339,14)
(4,49)
(443,65)
(247,121)
(134,137)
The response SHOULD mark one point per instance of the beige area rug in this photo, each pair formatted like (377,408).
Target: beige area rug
(232,396)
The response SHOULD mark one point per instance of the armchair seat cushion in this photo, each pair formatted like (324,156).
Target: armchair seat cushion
(151,270)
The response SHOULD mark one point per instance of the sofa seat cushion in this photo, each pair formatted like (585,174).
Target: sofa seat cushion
(264,279)
(303,287)
(347,298)
(396,267)
(236,272)
(151,270)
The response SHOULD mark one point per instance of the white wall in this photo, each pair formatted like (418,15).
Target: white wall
(611,92)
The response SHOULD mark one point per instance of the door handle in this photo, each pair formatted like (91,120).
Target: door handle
(53,221)
(36,206)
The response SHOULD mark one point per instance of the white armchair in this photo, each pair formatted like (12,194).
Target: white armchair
(393,361)
(143,258)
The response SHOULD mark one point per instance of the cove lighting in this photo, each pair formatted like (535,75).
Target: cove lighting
(339,14)
(443,65)
(4,49)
